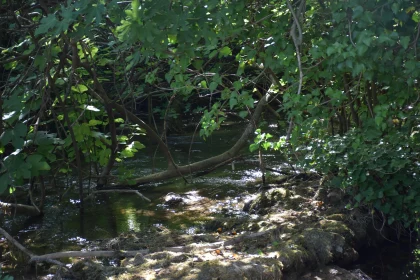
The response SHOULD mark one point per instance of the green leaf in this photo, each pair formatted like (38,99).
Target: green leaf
(79,88)
(203,84)
(416,16)
(266,145)
(241,68)
(213,54)
(213,86)
(384,38)
(232,101)
(405,40)
(94,122)
(225,51)
(410,65)
(81,131)
(6,137)
(40,62)
(37,164)
(137,145)
(330,50)
(338,17)
(253,147)
(395,8)
(361,50)
(357,12)
(20,130)
(237,85)
(15,135)
(47,23)
(243,114)
(198,64)
(367,40)
(127,153)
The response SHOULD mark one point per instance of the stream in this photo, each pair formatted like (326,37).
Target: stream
(106,216)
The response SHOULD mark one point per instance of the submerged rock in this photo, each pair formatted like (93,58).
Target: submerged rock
(173,200)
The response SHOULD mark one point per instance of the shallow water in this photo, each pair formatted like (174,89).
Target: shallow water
(108,215)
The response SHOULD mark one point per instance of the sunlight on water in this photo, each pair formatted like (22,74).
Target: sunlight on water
(108,215)
(132,222)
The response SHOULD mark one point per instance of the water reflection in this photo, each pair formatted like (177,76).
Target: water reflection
(108,215)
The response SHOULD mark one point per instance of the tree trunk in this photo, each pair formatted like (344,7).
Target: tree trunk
(213,161)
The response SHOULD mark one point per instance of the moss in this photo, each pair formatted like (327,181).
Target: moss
(260,204)
(337,227)
(295,202)
(255,268)
(294,257)
(336,217)
(297,240)
(278,194)
(265,200)
(87,269)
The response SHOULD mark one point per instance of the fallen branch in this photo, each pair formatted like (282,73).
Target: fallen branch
(121,253)
(87,254)
(119,191)
(51,258)
(26,251)
(20,209)
(16,243)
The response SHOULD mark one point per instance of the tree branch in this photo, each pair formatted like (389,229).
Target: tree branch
(297,42)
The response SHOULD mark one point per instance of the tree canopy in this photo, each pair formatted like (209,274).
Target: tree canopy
(80,80)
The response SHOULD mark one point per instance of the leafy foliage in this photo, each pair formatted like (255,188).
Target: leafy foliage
(343,73)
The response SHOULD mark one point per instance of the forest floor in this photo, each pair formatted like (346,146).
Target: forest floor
(295,228)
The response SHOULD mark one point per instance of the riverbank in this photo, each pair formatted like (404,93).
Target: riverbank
(293,228)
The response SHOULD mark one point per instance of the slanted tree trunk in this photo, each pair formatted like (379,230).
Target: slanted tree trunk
(213,161)
(173,170)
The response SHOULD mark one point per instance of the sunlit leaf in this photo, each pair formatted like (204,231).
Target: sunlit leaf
(79,88)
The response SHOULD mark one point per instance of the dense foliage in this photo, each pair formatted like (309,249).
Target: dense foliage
(79,77)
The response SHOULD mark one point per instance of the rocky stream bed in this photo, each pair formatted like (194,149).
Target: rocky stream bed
(293,228)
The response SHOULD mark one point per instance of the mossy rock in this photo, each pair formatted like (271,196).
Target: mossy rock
(336,217)
(294,257)
(337,227)
(89,270)
(227,224)
(260,204)
(294,202)
(305,190)
(265,200)
(256,268)
(327,247)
